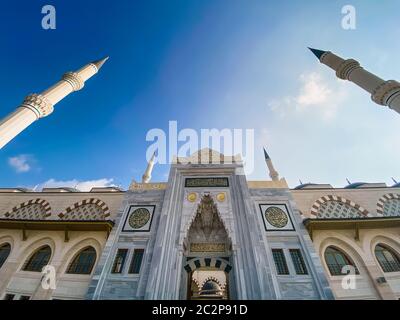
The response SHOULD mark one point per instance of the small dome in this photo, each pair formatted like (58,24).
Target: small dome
(210,287)
(355,185)
(301,186)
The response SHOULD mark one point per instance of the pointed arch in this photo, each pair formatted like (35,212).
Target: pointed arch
(34,209)
(40,258)
(336,258)
(387,257)
(88,209)
(206,205)
(5,249)
(316,207)
(383,208)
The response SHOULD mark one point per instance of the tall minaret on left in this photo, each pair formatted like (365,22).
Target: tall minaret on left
(274,175)
(36,106)
(147,174)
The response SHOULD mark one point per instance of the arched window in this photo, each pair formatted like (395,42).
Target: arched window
(336,260)
(38,260)
(4,253)
(83,262)
(387,258)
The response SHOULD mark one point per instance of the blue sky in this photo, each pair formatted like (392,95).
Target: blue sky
(206,64)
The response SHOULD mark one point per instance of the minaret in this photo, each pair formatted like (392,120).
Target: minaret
(147,174)
(272,172)
(385,93)
(36,106)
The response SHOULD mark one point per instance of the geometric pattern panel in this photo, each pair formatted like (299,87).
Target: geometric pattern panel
(391,208)
(89,209)
(337,207)
(37,209)
(389,205)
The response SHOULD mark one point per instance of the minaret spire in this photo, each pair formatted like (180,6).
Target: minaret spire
(272,172)
(385,93)
(147,174)
(36,106)
(99,63)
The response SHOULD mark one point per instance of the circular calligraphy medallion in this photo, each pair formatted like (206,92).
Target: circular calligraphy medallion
(276,217)
(139,218)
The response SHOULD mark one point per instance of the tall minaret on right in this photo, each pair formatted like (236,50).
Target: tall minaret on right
(385,93)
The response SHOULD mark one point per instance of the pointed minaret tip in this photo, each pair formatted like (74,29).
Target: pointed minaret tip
(99,63)
(266,154)
(317,53)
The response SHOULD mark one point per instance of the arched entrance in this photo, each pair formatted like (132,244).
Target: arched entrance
(207,255)
(208,278)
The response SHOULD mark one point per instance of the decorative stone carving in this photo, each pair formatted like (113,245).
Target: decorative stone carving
(74,80)
(39,104)
(207,225)
(147,186)
(207,247)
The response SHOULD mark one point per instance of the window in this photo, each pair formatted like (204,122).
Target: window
(387,258)
(136,261)
(9,296)
(298,261)
(38,260)
(119,261)
(4,253)
(280,261)
(24,297)
(83,262)
(336,260)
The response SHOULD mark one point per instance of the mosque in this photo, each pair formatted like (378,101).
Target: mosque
(205,233)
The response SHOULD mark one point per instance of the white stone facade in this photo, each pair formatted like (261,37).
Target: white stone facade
(205,218)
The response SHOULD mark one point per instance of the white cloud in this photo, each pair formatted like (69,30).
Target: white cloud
(316,95)
(20,163)
(74,183)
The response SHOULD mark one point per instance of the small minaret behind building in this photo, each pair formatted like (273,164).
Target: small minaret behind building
(272,172)
(385,93)
(147,174)
(36,106)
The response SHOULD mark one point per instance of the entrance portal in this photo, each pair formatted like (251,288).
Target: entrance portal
(208,253)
